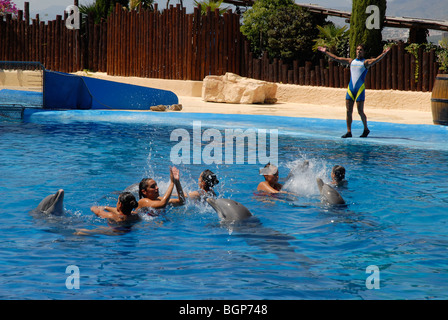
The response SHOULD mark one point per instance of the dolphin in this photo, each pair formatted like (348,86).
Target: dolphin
(52,204)
(229,210)
(328,193)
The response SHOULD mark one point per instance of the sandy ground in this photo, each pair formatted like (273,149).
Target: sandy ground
(299,101)
(290,109)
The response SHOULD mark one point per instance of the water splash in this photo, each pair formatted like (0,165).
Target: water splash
(302,176)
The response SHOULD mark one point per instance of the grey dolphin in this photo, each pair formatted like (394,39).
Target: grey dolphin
(52,204)
(229,209)
(328,193)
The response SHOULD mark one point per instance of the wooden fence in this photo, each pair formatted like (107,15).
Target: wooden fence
(174,45)
(398,70)
(52,44)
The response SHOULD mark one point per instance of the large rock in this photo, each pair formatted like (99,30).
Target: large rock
(232,88)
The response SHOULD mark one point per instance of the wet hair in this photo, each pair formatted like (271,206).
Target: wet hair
(142,186)
(209,178)
(339,173)
(128,202)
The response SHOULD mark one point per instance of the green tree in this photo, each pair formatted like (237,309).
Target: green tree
(213,4)
(334,38)
(101,9)
(281,28)
(107,6)
(146,4)
(360,33)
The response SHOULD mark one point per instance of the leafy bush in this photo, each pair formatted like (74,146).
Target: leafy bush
(442,54)
(101,9)
(213,4)
(334,38)
(7,7)
(282,29)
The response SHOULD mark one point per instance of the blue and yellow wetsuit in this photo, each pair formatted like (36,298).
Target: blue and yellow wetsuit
(356,87)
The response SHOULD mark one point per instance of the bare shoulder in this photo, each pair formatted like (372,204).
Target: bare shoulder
(264,186)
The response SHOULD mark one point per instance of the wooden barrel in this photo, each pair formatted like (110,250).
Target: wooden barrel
(439,100)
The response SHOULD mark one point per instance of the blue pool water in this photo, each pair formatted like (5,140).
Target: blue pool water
(295,247)
(22,98)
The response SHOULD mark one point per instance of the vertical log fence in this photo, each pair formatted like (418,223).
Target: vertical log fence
(172,44)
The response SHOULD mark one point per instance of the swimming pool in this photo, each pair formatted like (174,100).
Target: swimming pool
(295,247)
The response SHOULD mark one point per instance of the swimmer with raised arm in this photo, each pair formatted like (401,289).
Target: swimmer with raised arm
(270,185)
(356,87)
(207,180)
(149,192)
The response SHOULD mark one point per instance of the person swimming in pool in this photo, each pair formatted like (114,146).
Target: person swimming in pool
(270,185)
(356,87)
(149,192)
(120,218)
(338,176)
(207,180)
(122,215)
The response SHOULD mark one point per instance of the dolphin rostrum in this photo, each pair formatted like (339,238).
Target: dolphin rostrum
(52,204)
(229,209)
(328,193)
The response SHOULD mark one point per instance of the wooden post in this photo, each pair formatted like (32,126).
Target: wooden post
(336,69)
(407,68)
(307,73)
(400,62)
(322,72)
(317,74)
(388,71)
(412,73)
(327,77)
(312,77)
(27,12)
(425,72)
(285,73)
(383,65)
(274,70)
(257,68)
(330,74)
(394,61)
(341,76)
(302,76)
(420,73)
(370,79)
(431,70)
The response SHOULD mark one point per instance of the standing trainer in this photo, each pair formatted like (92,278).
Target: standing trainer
(356,87)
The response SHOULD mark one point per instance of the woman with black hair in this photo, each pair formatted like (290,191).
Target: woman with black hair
(122,215)
(149,192)
(120,218)
(207,180)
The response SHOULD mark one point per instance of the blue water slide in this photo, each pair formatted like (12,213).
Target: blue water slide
(68,91)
